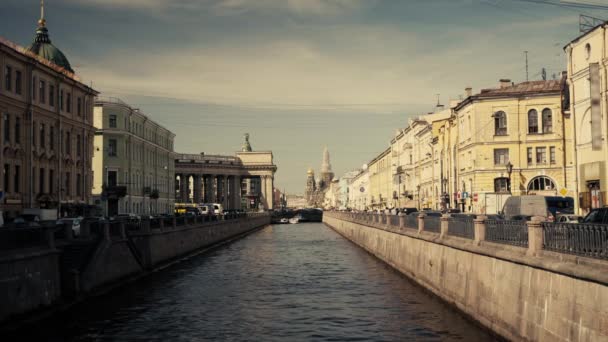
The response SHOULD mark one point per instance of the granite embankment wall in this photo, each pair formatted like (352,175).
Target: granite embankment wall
(542,297)
(47,271)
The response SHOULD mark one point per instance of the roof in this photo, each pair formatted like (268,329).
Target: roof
(43,47)
(575,40)
(548,87)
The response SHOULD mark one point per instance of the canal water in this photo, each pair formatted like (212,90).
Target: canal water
(283,283)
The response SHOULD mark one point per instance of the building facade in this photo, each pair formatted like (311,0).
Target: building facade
(585,98)
(513,140)
(47,129)
(380,181)
(359,190)
(242,181)
(133,161)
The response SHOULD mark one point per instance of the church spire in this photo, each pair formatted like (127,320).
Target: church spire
(42,21)
(326,165)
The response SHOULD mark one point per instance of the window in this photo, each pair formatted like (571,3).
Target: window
(530,157)
(112,148)
(42,91)
(533,121)
(552,154)
(79,106)
(68,191)
(69,103)
(18,82)
(17,130)
(7,128)
(51,180)
(34,88)
(501,156)
(61,102)
(112,178)
(541,155)
(41,175)
(68,143)
(112,121)
(17,179)
(51,95)
(500,123)
(52,138)
(502,184)
(587,51)
(547,121)
(78,143)
(42,136)
(7,174)
(8,78)
(541,183)
(78,185)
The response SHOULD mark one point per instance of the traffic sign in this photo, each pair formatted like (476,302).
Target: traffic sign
(465,195)
(563,192)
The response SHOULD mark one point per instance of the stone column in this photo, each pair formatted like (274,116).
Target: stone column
(197,189)
(205,188)
(401,220)
(183,186)
(480,228)
(535,235)
(237,192)
(444,225)
(225,189)
(268,192)
(421,222)
(215,187)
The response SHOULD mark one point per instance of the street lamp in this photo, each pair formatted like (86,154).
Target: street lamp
(509,168)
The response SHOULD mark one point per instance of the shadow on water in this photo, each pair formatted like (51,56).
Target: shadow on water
(283,283)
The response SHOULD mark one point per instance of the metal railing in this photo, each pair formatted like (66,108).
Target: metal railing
(394,220)
(508,232)
(411,221)
(462,227)
(586,239)
(432,224)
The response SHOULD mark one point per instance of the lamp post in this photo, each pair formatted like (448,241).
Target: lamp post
(509,168)
(418,190)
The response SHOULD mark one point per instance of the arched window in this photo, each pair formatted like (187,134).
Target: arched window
(541,183)
(502,184)
(500,123)
(533,121)
(547,121)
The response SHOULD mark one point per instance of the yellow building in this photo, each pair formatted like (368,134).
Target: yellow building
(515,125)
(380,180)
(586,101)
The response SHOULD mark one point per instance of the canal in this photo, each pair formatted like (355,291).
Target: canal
(283,283)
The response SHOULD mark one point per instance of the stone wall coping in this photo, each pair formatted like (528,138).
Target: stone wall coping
(29,253)
(575,266)
(168,230)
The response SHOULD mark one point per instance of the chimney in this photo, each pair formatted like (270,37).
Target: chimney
(504,83)
(468,91)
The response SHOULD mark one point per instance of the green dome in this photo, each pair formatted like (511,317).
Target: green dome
(42,47)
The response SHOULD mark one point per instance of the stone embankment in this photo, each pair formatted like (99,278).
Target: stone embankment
(525,281)
(45,268)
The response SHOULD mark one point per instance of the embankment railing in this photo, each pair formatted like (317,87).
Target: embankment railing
(588,240)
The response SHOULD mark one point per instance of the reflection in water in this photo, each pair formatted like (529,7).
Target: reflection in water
(283,283)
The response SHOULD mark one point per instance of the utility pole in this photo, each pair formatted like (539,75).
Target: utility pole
(526,53)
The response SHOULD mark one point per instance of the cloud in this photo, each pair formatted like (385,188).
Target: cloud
(233,7)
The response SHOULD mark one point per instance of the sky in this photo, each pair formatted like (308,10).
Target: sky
(297,75)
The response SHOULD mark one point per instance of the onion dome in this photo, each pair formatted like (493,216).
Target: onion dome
(310,171)
(43,47)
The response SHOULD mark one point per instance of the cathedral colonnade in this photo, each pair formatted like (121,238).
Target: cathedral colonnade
(244,181)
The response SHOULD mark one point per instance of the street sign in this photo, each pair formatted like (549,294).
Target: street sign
(465,195)
(459,194)
(563,192)
(475,197)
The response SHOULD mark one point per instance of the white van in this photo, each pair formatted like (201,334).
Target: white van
(219,209)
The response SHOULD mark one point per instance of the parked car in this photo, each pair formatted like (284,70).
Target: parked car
(431,213)
(597,215)
(126,217)
(25,221)
(452,211)
(568,218)
(533,205)
(73,222)
(407,211)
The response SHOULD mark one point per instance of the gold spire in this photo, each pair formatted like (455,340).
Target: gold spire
(42,21)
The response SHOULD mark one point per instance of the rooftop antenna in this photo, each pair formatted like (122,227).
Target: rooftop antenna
(587,23)
(526,53)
